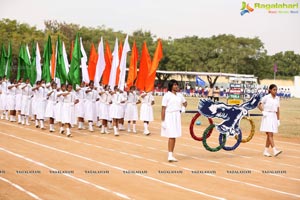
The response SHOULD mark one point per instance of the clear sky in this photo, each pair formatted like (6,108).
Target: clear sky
(167,18)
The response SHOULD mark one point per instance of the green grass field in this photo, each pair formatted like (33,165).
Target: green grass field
(289,115)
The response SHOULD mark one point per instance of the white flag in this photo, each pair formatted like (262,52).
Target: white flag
(84,70)
(123,60)
(100,64)
(114,66)
(38,63)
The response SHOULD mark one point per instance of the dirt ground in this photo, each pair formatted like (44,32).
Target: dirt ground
(37,164)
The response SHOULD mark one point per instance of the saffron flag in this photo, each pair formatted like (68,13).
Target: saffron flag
(71,49)
(8,62)
(100,64)
(53,62)
(74,73)
(92,62)
(108,60)
(114,66)
(145,64)
(123,61)
(118,68)
(149,86)
(3,60)
(132,73)
(84,67)
(47,61)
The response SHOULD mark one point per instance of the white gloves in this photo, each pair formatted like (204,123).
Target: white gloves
(278,122)
(182,109)
(163,125)
(264,113)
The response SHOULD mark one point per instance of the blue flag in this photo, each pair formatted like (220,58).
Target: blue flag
(199,81)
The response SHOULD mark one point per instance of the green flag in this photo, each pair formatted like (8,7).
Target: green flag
(8,62)
(47,58)
(61,72)
(23,63)
(33,65)
(74,73)
(3,60)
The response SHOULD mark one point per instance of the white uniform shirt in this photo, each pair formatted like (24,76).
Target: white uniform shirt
(173,102)
(270,104)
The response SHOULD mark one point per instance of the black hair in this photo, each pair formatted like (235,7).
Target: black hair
(171,83)
(272,86)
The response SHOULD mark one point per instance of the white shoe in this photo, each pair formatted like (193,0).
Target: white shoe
(116,134)
(69,134)
(27,124)
(172,159)
(146,132)
(128,130)
(267,154)
(134,131)
(276,153)
(61,131)
(107,132)
(102,131)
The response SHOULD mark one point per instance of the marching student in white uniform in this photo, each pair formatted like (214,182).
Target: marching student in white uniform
(33,103)
(11,100)
(146,110)
(68,108)
(41,96)
(270,122)
(131,111)
(99,89)
(51,104)
(172,104)
(116,109)
(26,102)
(4,93)
(104,107)
(79,107)
(90,114)
(58,107)
(19,99)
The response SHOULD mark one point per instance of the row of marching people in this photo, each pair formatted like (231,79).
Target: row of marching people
(68,106)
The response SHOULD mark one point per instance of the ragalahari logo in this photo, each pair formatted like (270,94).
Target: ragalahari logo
(246,8)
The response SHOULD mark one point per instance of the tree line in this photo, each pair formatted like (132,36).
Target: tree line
(222,53)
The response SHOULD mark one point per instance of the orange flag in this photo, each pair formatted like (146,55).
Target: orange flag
(92,62)
(120,56)
(132,73)
(53,63)
(71,50)
(145,64)
(149,85)
(108,61)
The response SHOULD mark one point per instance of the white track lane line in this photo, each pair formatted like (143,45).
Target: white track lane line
(68,175)
(20,188)
(102,163)
(220,177)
